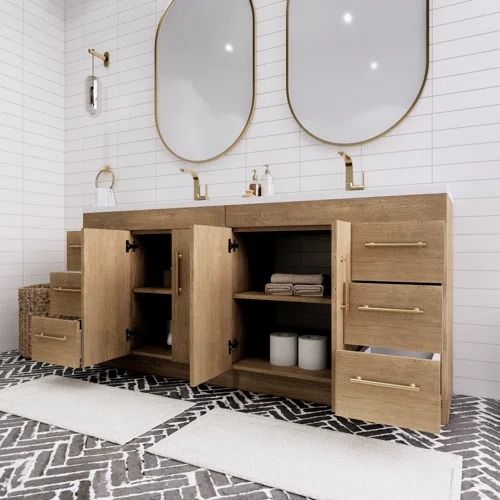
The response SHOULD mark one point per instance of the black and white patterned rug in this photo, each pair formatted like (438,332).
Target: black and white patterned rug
(42,462)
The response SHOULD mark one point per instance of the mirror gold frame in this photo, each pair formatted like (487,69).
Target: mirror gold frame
(378,135)
(253,89)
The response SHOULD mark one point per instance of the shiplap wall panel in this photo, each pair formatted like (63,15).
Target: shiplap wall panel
(32,147)
(452,137)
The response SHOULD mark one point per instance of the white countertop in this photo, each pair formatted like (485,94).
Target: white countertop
(303,196)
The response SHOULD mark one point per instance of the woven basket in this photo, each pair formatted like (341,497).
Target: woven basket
(33,301)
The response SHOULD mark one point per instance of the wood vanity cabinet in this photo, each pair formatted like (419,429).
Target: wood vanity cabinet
(388,316)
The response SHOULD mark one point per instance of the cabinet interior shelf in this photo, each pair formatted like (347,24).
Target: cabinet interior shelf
(153,351)
(257,365)
(281,298)
(153,290)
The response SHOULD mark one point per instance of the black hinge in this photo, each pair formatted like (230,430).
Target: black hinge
(232,245)
(130,333)
(131,246)
(233,345)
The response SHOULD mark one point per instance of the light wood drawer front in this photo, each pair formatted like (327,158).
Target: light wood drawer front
(56,341)
(397,316)
(66,280)
(404,252)
(74,250)
(65,302)
(384,394)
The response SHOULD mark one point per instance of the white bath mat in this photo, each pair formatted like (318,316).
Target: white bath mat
(110,413)
(316,463)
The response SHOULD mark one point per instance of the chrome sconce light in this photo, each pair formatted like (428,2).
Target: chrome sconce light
(93,90)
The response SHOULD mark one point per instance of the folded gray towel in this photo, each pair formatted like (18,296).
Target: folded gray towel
(298,279)
(309,290)
(279,289)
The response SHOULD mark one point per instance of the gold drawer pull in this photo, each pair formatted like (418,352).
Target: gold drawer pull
(75,246)
(415,310)
(178,273)
(417,244)
(360,380)
(61,289)
(51,337)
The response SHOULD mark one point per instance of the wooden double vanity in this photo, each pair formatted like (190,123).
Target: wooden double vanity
(388,317)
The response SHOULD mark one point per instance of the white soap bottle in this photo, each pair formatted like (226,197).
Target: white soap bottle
(267,185)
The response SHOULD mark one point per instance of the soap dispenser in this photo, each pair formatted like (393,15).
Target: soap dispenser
(255,184)
(267,185)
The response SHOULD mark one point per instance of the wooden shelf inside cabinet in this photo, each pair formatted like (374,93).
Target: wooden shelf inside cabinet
(153,351)
(281,298)
(153,291)
(256,365)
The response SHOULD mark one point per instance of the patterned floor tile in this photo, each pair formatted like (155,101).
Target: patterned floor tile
(39,461)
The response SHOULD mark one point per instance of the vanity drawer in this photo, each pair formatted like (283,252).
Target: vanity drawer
(74,250)
(397,316)
(393,390)
(405,252)
(65,302)
(56,341)
(66,280)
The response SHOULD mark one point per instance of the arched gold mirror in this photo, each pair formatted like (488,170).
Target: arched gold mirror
(355,67)
(204,76)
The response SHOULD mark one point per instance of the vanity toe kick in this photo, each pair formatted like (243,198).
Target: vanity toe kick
(394,390)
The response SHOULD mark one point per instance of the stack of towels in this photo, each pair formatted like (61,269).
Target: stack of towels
(305,285)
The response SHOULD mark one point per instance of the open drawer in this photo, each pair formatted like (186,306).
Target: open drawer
(397,316)
(55,340)
(391,389)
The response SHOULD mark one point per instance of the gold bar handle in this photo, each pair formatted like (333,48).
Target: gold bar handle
(75,246)
(409,244)
(51,337)
(415,310)
(61,289)
(346,286)
(362,381)
(178,274)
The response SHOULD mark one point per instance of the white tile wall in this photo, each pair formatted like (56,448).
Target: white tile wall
(452,136)
(31,150)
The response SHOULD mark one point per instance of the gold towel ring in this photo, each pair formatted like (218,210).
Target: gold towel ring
(105,170)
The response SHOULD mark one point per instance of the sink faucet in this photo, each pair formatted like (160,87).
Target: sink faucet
(197,193)
(349,174)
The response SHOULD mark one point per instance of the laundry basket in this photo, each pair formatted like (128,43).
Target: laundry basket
(33,301)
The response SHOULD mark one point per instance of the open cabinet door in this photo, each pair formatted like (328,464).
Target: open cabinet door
(341,267)
(106,295)
(211,322)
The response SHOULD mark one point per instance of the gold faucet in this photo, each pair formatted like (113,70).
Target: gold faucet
(349,174)
(197,193)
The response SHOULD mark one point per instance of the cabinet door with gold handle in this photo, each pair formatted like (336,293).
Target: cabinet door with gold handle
(181,293)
